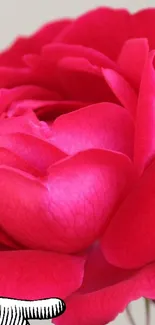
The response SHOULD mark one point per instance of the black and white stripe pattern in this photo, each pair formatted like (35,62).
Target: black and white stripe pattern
(18,312)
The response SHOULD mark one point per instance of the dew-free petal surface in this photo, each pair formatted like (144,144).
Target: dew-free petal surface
(122,90)
(12,159)
(80,80)
(142,25)
(6,242)
(44,67)
(106,24)
(7,96)
(55,52)
(102,126)
(145,119)
(26,124)
(68,209)
(39,154)
(99,273)
(44,109)
(102,306)
(129,240)
(13,56)
(13,77)
(28,274)
(132,59)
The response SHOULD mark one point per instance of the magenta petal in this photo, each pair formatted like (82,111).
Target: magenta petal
(6,242)
(7,96)
(102,306)
(145,122)
(26,124)
(44,109)
(82,81)
(11,159)
(122,89)
(138,50)
(99,273)
(44,67)
(13,77)
(56,212)
(36,152)
(13,55)
(55,52)
(129,240)
(102,126)
(143,24)
(37,274)
(103,29)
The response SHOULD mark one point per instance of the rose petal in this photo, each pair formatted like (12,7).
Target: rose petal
(6,242)
(34,151)
(99,273)
(106,24)
(83,81)
(145,122)
(67,210)
(44,72)
(13,77)
(13,55)
(55,52)
(122,89)
(7,96)
(45,110)
(102,306)
(55,108)
(138,50)
(102,126)
(11,159)
(143,23)
(36,274)
(27,124)
(45,66)
(129,241)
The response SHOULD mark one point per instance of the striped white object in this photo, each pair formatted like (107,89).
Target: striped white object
(18,312)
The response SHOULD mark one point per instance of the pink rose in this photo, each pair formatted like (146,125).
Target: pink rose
(77,170)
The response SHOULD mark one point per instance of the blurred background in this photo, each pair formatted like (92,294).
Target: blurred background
(24,17)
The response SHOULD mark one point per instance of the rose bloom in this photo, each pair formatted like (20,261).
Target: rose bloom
(77,164)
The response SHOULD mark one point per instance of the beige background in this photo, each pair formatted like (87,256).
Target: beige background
(25,16)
